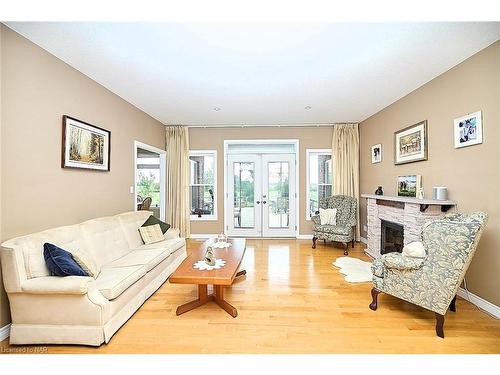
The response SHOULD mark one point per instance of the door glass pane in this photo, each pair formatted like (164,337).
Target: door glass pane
(278,197)
(244,184)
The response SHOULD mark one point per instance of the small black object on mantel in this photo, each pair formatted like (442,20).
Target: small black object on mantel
(379,191)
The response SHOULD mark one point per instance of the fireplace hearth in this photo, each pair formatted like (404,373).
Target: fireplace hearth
(391,237)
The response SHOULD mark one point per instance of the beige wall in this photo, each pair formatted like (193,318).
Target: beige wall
(472,174)
(37,89)
(213,139)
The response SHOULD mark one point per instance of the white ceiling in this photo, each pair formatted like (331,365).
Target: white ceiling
(261,73)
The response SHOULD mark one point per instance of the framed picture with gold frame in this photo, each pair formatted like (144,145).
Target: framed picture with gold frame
(410,144)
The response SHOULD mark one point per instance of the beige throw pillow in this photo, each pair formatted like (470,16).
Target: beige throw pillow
(151,234)
(88,264)
(328,216)
(414,249)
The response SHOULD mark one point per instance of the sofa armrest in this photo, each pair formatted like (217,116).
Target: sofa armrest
(57,285)
(172,233)
(316,220)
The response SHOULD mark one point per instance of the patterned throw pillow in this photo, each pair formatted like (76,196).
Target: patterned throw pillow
(152,220)
(86,262)
(328,216)
(151,234)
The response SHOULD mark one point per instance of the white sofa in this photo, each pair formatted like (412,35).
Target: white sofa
(81,310)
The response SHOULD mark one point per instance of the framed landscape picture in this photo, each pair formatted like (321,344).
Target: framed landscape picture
(410,144)
(376,153)
(84,145)
(468,130)
(409,185)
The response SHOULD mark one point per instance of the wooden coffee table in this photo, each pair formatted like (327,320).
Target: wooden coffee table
(219,278)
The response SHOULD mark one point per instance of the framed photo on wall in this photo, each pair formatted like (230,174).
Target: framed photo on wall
(84,145)
(410,144)
(376,153)
(468,130)
(409,185)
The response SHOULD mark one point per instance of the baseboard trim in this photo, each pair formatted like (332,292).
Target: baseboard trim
(202,236)
(4,332)
(479,302)
(304,236)
(364,240)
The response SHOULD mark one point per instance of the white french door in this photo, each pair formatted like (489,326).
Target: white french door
(261,195)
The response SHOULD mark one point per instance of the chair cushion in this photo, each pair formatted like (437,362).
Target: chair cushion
(400,262)
(333,229)
(148,258)
(113,281)
(60,262)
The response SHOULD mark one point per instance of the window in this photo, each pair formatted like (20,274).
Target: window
(319,179)
(202,189)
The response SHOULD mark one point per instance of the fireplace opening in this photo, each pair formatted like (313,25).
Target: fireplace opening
(392,239)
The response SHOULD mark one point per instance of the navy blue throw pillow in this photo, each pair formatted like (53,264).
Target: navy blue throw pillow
(60,262)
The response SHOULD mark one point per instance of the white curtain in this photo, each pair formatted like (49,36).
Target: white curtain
(345,155)
(177,147)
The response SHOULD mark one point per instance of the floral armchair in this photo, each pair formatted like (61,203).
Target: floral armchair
(346,221)
(432,282)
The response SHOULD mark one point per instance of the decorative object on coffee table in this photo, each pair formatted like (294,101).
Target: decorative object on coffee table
(219,278)
(410,144)
(379,191)
(209,257)
(202,265)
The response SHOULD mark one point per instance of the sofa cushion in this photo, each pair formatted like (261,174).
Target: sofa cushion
(113,281)
(333,229)
(67,237)
(152,220)
(60,262)
(105,239)
(130,223)
(170,245)
(148,258)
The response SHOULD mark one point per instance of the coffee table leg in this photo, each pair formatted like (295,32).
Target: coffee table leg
(203,298)
(219,300)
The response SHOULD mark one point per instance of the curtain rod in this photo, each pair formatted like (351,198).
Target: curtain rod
(279,125)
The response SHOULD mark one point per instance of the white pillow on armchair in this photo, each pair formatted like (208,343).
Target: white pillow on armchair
(414,249)
(328,216)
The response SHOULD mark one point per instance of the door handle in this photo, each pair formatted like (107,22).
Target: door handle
(258,202)
(264,202)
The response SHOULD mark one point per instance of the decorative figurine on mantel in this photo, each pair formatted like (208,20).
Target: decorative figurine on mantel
(379,191)
(209,256)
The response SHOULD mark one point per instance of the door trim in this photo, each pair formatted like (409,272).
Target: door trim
(293,141)
(163,166)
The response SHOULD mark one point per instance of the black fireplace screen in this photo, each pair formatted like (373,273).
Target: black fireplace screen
(392,237)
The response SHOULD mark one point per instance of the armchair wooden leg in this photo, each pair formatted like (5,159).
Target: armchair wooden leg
(314,242)
(353,243)
(375,292)
(452,304)
(324,242)
(439,325)
(346,248)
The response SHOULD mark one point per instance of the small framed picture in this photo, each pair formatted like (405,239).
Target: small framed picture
(468,130)
(376,153)
(410,144)
(409,185)
(84,146)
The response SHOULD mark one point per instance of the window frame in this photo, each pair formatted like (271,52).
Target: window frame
(309,152)
(213,153)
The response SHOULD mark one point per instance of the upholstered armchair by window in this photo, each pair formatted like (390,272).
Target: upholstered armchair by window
(343,231)
(432,282)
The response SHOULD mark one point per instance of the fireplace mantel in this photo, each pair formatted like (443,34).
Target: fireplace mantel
(411,213)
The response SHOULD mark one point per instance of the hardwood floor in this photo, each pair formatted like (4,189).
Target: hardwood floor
(294,301)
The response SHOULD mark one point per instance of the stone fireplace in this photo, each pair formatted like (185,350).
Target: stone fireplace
(396,221)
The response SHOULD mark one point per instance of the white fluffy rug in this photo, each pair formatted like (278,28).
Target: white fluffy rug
(356,270)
